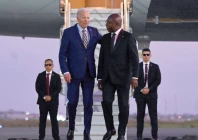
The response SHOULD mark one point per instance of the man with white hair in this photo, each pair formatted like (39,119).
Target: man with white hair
(77,63)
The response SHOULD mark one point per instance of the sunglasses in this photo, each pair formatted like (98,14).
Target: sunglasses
(48,64)
(146,54)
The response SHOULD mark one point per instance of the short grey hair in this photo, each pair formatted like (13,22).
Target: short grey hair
(82,10)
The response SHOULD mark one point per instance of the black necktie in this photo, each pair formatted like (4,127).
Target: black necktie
(112,40)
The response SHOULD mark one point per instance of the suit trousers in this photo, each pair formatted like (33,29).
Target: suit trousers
(87,85)
(109,89)
(152,108)
(53,110)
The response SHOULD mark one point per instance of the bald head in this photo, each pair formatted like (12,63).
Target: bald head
(114,22)
(117,18)
(83,15)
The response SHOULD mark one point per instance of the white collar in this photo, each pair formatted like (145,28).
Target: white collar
(49,72)
(117,32)
(80,28)
(146,63)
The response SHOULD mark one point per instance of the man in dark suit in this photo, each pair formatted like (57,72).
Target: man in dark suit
(78,46)
(146,93)
(118,67)
(48,87)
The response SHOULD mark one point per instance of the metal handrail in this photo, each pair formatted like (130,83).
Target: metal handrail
(66,14)
(125,16)
(69,14)
(121,13)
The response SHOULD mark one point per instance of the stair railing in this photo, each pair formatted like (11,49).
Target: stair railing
(127,10)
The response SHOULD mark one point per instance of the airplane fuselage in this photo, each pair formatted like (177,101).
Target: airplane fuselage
(159,20)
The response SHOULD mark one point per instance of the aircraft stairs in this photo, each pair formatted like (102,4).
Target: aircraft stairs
(98,17)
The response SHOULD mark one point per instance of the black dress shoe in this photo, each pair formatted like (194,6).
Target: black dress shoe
(87,137)
(113,131)
(70,135)
(120,137)
(109,134)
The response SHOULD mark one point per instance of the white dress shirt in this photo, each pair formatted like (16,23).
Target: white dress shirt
(117,34)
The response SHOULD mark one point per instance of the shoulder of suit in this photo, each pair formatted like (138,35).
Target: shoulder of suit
(107,34)
(125,32)
(69,28)
(55,73)
(129,34)
(42,73)
(151,63)
(93,28)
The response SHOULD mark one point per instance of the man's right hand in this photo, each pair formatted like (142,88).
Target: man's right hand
(145,91)
(67,77)
(47,98)
(100,84)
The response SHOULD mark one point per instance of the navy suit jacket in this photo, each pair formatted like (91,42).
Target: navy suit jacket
(73,56)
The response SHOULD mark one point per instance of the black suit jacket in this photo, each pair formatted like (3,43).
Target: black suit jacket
(154,80)
(55,87)
(121,63)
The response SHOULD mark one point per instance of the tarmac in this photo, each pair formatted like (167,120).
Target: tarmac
(32,133)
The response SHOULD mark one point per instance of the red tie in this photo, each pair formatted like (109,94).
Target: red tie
(146,73)
(47,84)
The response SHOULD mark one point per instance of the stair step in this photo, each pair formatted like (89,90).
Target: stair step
(97,95)
(96,22)
(98,17)
(99,11)
(91,19)
(98,103)
(97,92)
(97,116)
(96,113)
(97,107)
(93,135)
(95,126)
(96,123)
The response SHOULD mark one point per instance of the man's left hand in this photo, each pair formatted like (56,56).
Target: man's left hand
(134,83)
